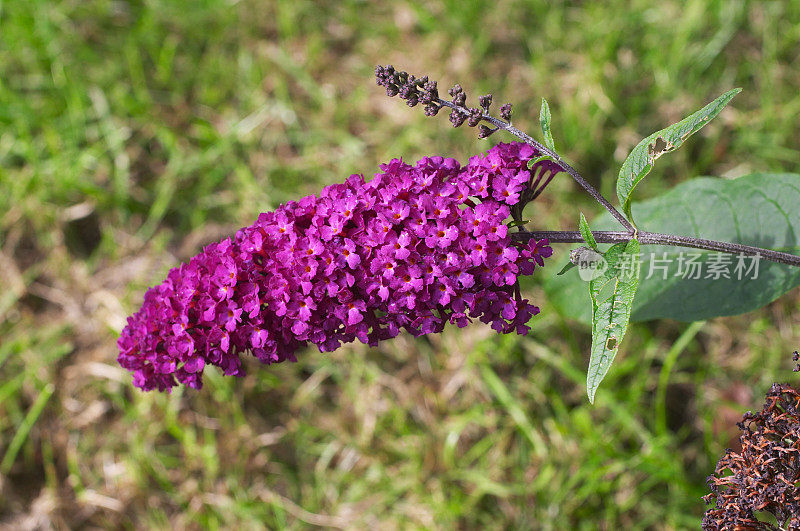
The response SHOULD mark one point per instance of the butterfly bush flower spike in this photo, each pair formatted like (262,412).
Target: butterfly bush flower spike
(413,249)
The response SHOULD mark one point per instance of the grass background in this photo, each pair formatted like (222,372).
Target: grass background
(134,132)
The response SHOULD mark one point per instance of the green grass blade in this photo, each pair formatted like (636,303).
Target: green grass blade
(666,369)
(514,409)
(25,428)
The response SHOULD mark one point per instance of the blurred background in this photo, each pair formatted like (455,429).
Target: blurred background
(132,133)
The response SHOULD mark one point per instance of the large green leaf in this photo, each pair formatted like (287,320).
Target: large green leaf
(759,209)
(641,159)
(611,311)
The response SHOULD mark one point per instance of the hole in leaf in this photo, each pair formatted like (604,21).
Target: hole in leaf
(611,343)
(657,148)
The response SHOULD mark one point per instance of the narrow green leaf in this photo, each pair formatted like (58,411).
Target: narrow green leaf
(544,120)
(540,158)
(586,232)
(610,315)
(641,159)
(567,267)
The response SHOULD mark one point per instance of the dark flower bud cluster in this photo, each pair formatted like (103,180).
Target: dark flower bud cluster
(485,131)
(765,475)
(506,111)
(413,249)
(458,94)
(413,90)
(474,117)
(409,88)
(796,359)
(456,118)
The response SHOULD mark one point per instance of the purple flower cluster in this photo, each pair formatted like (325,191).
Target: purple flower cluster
(412,249)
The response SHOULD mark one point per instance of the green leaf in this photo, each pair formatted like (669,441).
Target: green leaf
(759,209)
(544,120)
(567,267)
(540,158)
(519,223)
(641,159)
(611,313)
(586,232)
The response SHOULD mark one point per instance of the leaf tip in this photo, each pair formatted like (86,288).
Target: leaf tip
(567,267)
(586,232)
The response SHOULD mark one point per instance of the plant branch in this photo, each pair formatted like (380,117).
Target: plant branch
(500,124)
(656,238)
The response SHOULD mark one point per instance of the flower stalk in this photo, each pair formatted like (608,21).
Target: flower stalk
(422,90)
